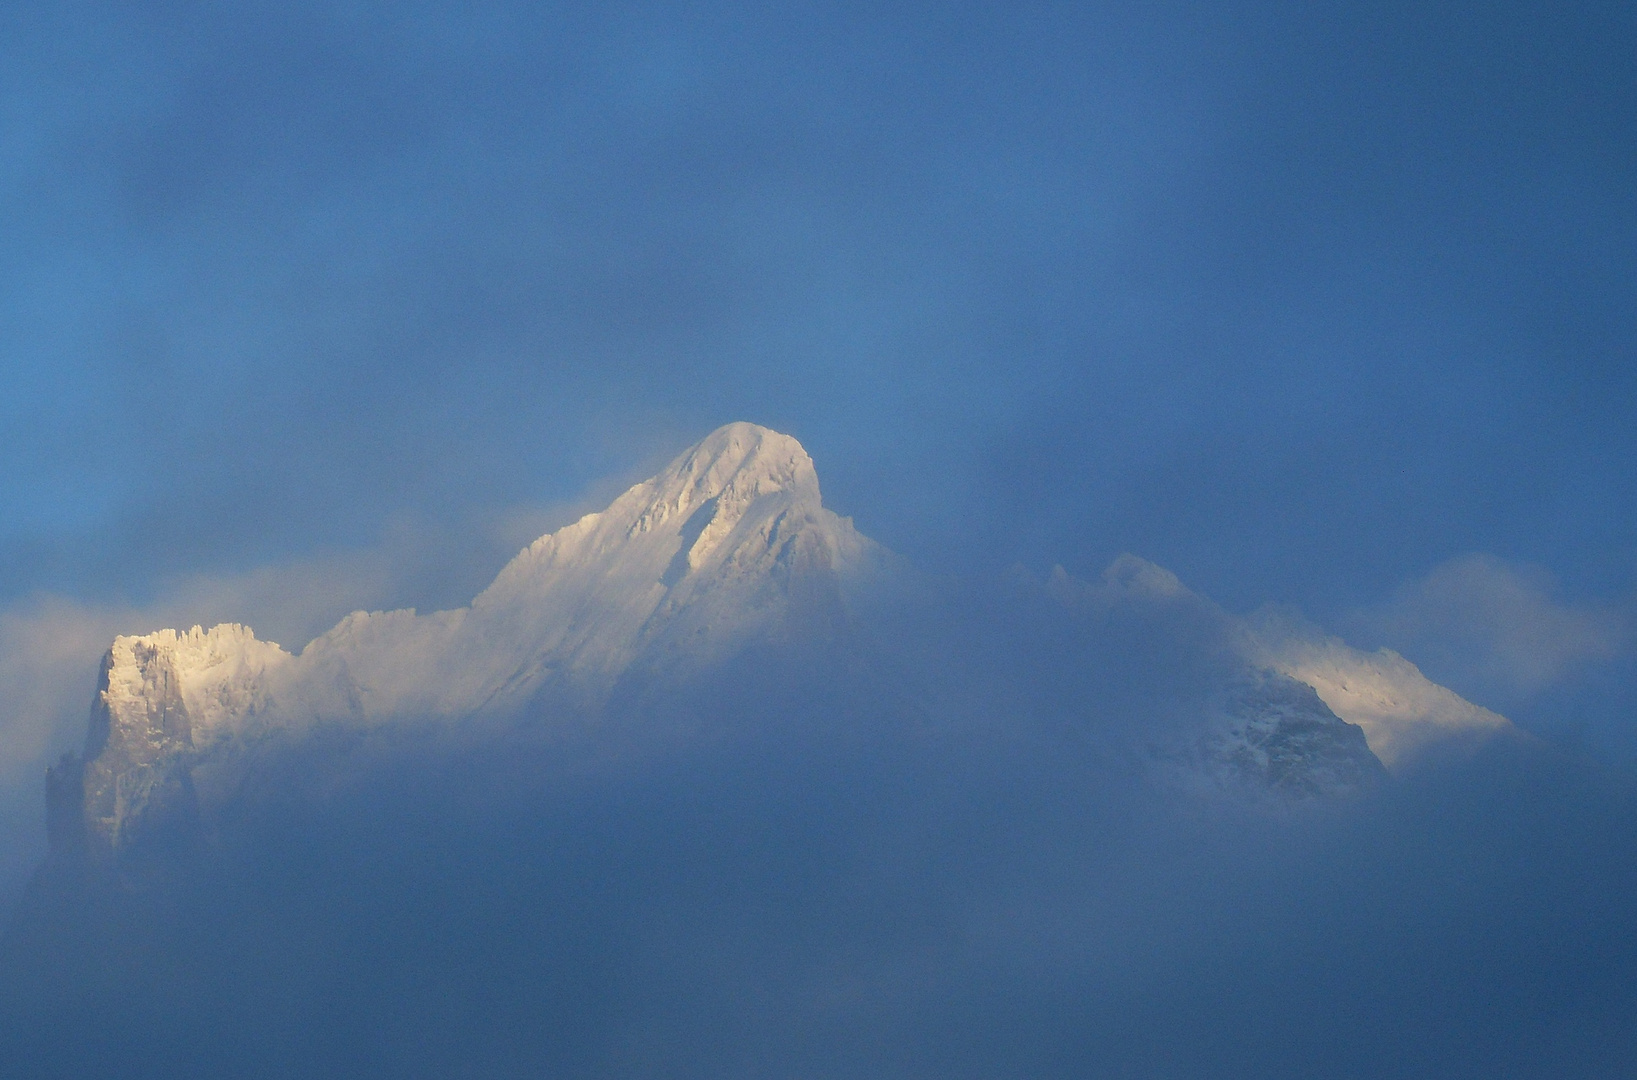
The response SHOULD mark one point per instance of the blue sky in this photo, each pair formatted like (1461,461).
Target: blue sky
(1308,302)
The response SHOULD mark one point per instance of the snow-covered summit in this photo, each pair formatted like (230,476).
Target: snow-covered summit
(728,545)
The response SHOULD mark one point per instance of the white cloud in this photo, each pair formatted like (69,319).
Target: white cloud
(1492,628)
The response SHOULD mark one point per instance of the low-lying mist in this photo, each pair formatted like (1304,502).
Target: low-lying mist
(930,848)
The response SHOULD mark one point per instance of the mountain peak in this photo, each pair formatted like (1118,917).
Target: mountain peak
(728,545)
(729,469)
(740,451)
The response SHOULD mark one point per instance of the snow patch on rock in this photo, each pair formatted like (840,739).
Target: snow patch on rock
(1401,711)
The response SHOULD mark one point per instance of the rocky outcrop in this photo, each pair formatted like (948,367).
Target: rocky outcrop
(1279,733)
(160,698)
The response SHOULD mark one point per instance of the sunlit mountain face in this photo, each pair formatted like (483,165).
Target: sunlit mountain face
(727,554)
(710,784)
